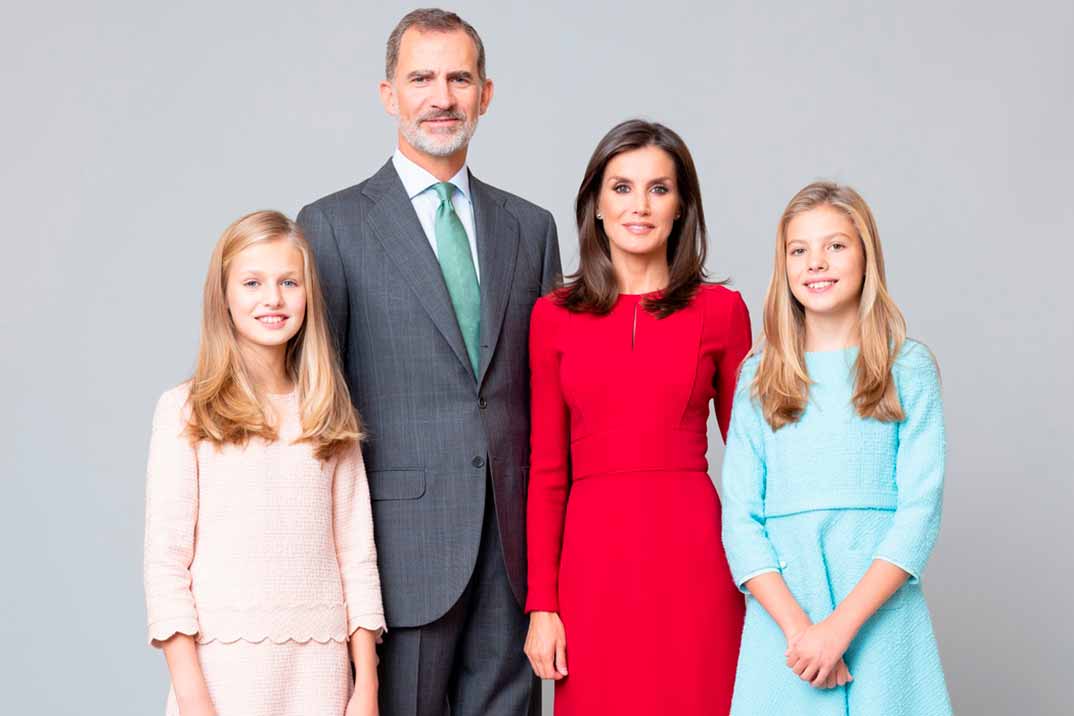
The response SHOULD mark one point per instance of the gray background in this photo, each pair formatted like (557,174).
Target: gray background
(133,133)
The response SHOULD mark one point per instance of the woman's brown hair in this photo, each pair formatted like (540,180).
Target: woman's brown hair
(593,288)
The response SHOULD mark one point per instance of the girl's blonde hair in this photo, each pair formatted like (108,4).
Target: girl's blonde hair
(225,405)
(782,382)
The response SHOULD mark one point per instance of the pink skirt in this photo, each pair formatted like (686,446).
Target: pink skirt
(269,679)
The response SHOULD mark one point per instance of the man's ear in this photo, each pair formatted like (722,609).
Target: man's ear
(387,98)
(486,95)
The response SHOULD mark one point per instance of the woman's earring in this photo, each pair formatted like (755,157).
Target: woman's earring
(599,217)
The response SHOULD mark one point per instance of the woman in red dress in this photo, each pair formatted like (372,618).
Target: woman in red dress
(632,606)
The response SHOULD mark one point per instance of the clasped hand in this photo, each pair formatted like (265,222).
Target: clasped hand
(815,654)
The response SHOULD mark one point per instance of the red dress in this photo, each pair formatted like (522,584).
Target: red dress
(623,521)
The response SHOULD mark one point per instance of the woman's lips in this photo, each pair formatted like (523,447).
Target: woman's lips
(820,286)
(273,322)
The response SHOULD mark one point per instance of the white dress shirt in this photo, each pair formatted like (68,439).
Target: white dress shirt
(418,184)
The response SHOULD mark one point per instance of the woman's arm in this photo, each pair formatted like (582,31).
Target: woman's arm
(904,550)
(356,550)
(771,591)
(363,701)
(546,501)
(171,513)
(188,681)
(356,554)
(737,341)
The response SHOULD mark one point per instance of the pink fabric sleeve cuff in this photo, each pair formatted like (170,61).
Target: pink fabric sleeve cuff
(164,629)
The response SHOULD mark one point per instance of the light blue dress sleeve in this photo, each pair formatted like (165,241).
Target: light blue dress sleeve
(919,464)
(749,553)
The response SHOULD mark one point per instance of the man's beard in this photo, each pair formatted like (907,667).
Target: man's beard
(442,144)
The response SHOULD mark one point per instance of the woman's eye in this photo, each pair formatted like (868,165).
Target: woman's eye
(838,246)
(660,189)
(797,252)
(620,188)
(251,283)
(290,282)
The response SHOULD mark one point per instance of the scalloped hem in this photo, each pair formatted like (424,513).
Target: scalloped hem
(157,637)
(275,639)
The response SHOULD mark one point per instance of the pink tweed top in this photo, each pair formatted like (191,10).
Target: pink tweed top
(256,542)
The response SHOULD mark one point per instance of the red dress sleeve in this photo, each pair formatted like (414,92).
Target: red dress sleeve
(734,347)
(549,452)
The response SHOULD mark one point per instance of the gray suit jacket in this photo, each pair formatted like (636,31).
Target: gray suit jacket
(433,429)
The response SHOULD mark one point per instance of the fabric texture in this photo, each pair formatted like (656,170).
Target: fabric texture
(418,184)
(457,265)
(432,426)
(819,500)
(436,426)
(255,542)
(623,519)
(259,546)
(270,679)
(481,634)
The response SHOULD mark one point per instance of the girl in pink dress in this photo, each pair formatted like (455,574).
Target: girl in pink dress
(260,569)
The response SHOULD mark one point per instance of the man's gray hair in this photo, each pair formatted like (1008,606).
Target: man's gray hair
(431,20)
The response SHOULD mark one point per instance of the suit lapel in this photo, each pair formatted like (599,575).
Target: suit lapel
(497,246)
(396,226)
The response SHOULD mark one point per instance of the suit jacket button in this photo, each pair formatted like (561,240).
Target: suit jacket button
(482,403)
(478,462)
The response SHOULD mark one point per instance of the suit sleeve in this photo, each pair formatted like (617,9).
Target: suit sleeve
(735,347)
(322,239)
(171,513)
(356,552)
(549,450)
(551,270)
(919,465)
(749,553)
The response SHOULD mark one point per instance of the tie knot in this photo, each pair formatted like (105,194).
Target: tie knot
(444,190)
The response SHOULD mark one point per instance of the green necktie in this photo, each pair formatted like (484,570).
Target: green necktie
(457,265)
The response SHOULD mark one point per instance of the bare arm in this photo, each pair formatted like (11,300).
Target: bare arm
(363,649)
(771,591)
(188,681)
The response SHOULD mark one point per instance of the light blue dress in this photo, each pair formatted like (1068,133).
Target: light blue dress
(818,501)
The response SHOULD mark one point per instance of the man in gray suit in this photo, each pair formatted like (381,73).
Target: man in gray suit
(430,276)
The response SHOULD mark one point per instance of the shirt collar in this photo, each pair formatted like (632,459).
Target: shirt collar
(417,180)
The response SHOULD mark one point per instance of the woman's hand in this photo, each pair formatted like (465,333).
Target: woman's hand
(816,654)
(546,645)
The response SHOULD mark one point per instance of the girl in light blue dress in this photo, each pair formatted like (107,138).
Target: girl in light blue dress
(833,481)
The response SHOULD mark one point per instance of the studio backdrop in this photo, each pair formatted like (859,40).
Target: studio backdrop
(134,132)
